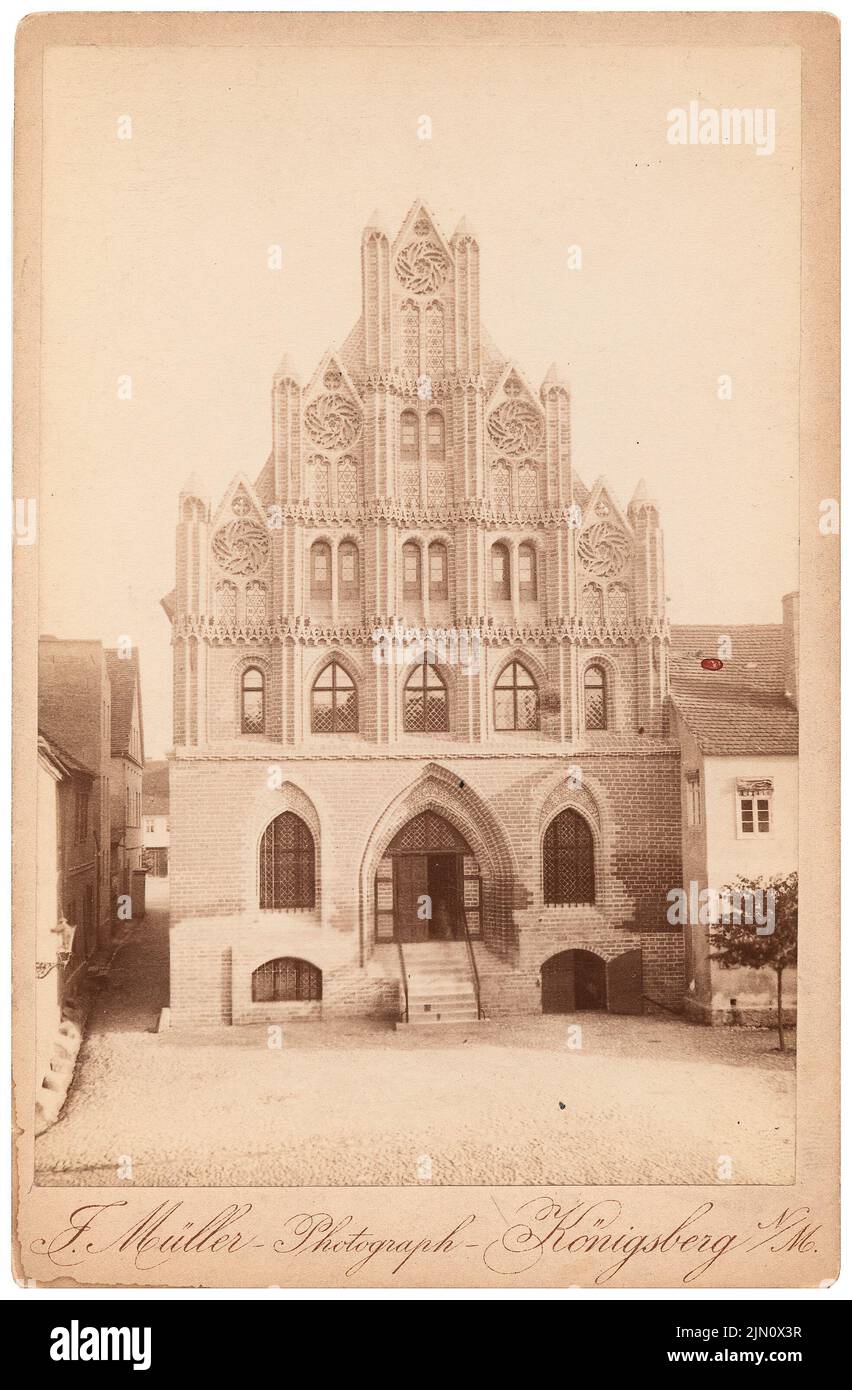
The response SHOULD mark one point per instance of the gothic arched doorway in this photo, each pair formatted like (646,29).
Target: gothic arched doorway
(427,884)
(573,980)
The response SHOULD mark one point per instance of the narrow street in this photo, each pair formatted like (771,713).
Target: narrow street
(644,1100)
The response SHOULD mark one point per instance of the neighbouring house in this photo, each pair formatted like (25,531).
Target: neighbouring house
(155,818)
(127,763)
(738,732)
(484,819)
(74,715)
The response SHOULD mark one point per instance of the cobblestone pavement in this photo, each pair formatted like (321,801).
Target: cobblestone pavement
(645,1100)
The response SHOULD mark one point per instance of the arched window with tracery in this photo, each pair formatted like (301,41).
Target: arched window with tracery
(252,701)
(287,871)
(515,699)
(425,703)
(569,860)
(334,701)
(594,698)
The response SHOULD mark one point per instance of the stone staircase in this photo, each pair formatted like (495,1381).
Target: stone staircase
(441,986)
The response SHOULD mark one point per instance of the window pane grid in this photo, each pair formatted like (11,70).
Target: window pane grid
(287,864)
(569,861)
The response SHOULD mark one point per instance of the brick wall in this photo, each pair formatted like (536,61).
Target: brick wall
(353,805)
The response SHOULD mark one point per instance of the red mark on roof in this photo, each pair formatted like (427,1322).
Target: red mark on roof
(712,663)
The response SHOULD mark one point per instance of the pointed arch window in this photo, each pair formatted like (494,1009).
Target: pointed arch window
(226,602)
(252,701)
(287,875)
(569,860)
(425,704)
(501,485)
(594,698)
(411,583)
(410,339)
(501,587)
(334,701)
(438,583)
(527,580)
(515,699)
(255,602)
(321,570)
(347,570)
(435,340)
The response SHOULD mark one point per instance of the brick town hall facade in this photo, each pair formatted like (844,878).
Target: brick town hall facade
(486,826)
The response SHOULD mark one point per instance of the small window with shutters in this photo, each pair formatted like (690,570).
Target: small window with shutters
(438,571)
(347,570)
(411,570)
(527,584)
(321,570)
(409,442)
(500,582)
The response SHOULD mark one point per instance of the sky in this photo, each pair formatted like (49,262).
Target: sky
(156,266)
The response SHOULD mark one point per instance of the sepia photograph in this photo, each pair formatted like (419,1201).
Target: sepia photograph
(412,550)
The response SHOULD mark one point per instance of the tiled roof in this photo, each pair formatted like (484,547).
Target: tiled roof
(123,675)
(71,691)
(155,789)
(63,759)
(741,709)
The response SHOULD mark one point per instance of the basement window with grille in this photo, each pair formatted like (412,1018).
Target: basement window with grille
(286,980)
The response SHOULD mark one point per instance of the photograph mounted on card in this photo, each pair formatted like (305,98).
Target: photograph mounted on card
(426,650)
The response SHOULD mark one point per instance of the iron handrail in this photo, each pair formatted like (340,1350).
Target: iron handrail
(404,974)
(473,967)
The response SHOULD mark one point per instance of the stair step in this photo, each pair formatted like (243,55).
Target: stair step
(442,1025)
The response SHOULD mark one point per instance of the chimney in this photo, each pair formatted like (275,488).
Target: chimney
(790,646)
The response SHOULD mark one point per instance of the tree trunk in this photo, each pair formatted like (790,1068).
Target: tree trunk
(778,975)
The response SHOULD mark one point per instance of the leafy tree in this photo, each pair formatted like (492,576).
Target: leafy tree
(738,942)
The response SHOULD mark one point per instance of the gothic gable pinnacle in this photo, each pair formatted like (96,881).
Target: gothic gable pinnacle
(239,499)
(331,375)
(603,505)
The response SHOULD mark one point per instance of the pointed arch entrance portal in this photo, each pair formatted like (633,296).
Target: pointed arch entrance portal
(427,884)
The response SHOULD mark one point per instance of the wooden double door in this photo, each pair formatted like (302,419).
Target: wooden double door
(427,897)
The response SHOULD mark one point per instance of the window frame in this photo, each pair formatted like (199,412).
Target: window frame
(567,816)
(334,667)
(528,589)
(425,666)
(245,725)
(514,687)
(412,589)
(320,589)
(594,667)
(754,798)
(348,588)
(303,855)
(439,589)
(500,591)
